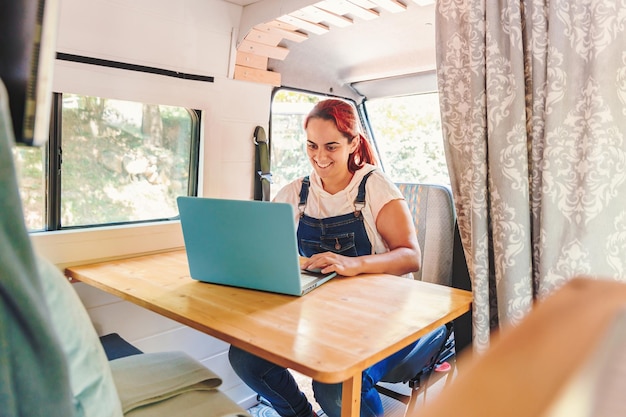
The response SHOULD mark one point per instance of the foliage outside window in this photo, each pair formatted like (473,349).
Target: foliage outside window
(288,139)
(408,135)
(121,162)
(31,173)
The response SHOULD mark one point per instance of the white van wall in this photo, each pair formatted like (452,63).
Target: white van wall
(191,36)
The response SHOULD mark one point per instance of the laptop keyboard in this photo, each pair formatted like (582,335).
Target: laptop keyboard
(307,279)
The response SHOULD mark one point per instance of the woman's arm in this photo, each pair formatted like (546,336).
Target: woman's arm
(395,225)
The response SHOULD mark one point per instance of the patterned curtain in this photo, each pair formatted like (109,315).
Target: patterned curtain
(533,103)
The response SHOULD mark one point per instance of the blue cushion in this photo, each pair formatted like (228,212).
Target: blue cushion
(115,346)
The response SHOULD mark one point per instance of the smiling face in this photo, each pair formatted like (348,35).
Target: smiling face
(328,150)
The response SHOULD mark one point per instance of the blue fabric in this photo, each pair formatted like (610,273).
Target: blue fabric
(345,235)
(115,347)
(329,396)
(272,382)
(276,384)
(34,378)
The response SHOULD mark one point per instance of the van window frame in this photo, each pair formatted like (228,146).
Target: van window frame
(53,172)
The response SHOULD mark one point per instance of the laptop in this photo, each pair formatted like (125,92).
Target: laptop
(248,244)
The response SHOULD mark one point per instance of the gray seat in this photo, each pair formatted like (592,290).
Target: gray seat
(433,213)
(432,208)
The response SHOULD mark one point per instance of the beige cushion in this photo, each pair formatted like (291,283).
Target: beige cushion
(170,384)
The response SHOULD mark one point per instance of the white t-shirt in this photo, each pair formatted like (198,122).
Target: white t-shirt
(379,190)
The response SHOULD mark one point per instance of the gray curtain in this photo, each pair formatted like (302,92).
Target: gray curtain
(533,103)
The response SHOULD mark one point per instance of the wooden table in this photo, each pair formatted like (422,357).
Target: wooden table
(331,334)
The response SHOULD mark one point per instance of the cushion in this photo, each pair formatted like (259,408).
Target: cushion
(115,346)
(145,381)
(91,380)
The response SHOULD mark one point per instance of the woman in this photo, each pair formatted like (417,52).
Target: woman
(351,220)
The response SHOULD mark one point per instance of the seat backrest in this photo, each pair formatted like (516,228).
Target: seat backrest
(432,208)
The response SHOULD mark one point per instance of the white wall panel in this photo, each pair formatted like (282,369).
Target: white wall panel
(197,344)
(129,320)
(194,36)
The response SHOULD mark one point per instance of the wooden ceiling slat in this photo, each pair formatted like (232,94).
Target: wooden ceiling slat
(318,15)
(292,35)
(276,52)
(392,6)
(343,7)
(245,59)
(256,75)
(316,28)
(366,4)
(283,25)
(263,37)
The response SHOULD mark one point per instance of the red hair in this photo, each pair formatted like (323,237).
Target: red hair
(345,118)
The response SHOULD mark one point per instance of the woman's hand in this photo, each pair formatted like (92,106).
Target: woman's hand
(331,262)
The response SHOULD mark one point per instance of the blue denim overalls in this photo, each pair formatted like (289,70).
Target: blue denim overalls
(344,234)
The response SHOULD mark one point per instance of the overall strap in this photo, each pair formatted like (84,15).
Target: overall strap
(304,194)
(359,201)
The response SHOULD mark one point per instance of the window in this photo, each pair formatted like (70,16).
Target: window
(288,140)
(119,162)
(408,136)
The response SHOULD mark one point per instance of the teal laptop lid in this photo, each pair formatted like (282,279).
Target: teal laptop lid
(242,243)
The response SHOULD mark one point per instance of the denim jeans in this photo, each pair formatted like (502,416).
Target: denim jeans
(277,385)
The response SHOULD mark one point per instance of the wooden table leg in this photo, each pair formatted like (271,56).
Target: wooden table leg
(351,397)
